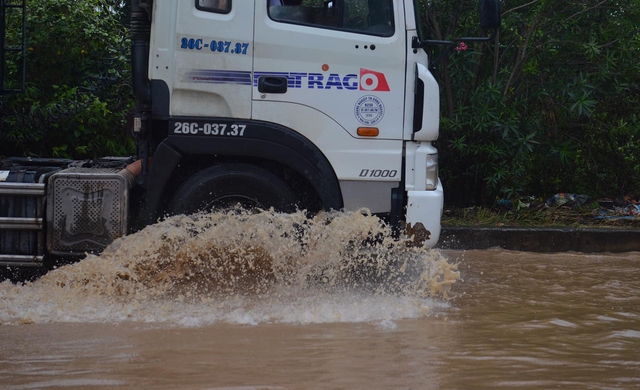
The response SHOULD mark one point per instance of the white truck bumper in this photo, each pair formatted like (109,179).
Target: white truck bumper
(425,207)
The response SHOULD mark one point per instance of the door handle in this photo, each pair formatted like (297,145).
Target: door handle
(272,84)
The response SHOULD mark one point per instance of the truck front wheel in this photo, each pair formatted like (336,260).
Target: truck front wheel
(231,185)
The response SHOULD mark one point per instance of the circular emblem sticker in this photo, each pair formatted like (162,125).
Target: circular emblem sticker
(369,110)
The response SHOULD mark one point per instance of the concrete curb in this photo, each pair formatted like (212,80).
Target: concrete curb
(586,240)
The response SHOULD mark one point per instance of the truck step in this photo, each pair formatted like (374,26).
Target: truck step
(21,223)
(21,261)
(23,189)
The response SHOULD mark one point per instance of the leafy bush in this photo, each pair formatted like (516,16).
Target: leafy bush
(77,72)
(549,106)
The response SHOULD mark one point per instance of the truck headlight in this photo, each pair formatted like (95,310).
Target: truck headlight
(432,172)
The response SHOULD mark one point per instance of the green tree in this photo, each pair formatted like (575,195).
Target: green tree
(77,91)
(549,106)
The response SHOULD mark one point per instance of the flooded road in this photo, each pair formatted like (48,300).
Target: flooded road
(510,320)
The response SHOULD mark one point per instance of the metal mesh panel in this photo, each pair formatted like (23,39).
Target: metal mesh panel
(87,210)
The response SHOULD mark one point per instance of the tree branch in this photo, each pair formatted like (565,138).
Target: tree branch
(585,10)
(520,6)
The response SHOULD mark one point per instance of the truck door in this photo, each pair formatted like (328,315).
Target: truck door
(343,58)
(213,58)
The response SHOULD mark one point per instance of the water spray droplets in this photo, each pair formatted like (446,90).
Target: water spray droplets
(239,267)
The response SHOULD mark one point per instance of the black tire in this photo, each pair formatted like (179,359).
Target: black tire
(228,185)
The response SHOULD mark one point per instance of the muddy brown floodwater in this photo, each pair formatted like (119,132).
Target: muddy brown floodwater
(423,320)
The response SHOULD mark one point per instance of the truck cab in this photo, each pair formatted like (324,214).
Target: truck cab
(331,91)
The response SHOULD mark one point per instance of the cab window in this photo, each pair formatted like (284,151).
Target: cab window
(218,6)
(372,17)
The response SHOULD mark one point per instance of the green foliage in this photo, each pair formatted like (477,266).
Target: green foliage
(77,73)
(551,105)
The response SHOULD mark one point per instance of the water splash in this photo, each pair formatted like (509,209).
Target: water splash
(242,267)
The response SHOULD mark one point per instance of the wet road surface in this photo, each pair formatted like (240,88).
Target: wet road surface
(512,320)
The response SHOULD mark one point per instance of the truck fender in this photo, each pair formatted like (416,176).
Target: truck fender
(265,140)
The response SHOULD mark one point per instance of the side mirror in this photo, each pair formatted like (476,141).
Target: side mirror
(489,14)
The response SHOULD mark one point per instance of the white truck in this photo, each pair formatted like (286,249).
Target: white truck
(264,103)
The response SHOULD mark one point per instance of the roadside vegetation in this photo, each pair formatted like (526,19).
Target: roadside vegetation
(549,106)
(77,71)
(538,215)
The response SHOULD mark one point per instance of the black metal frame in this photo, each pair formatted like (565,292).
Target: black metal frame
(4,5)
